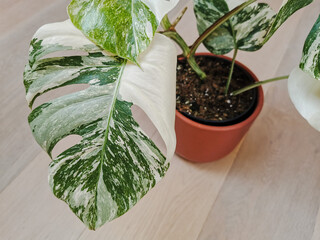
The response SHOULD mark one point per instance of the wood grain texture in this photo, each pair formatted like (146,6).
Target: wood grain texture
(173,210)
(18,147)
(268,188)
(272,190)
(316,232)
(30,211)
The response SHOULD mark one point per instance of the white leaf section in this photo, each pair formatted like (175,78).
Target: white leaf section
(152,87)
(65,34)
(160,7)
(304,92)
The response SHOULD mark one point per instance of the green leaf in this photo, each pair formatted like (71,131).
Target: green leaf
(248,30)
(221,41)
(115,164)
(304,92)
(122,27)
(245,30)
(310,61)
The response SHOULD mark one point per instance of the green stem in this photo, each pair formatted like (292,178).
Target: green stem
(257,84)
(165,23)
(216,25)
(192,62)
(172,33)
(231,70)
(179,40)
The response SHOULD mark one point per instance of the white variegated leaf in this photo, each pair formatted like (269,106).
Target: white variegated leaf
(122,27)
(66,37)
(304,92)
(248,30)
(310,61)
(115,164)
(287,8)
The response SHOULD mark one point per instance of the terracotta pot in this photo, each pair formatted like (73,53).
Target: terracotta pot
(198,142)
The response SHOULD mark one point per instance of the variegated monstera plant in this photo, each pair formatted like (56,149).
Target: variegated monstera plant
(112,46)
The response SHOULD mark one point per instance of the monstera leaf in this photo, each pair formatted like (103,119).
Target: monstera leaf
(304,83)
(122,27)
(115,164)
(248,30)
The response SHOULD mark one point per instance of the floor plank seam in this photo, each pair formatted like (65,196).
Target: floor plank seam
(82,233)
(213,203)
(315,225)
(22,170)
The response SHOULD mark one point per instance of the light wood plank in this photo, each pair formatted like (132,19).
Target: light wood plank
(272,190)
(316,232)
(29,211)
(13,13)
(17,146)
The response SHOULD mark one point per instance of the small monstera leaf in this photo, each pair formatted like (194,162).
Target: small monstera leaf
(304,82)
(122,27)
(115,164)
(248,30)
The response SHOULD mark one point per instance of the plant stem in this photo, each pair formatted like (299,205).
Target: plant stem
(175,23)
(231,70)
(179,40)
(235,46)
(172,33)
(196,68)
(216,25)
(165,23)
(257,84)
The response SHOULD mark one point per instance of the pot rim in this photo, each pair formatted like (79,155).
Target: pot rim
(248,120)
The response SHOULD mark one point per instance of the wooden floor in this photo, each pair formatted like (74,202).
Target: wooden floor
(267,189)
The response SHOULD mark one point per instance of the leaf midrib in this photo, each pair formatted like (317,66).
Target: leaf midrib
(112,107)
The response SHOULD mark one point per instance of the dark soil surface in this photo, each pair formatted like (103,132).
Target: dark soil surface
(205,99)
